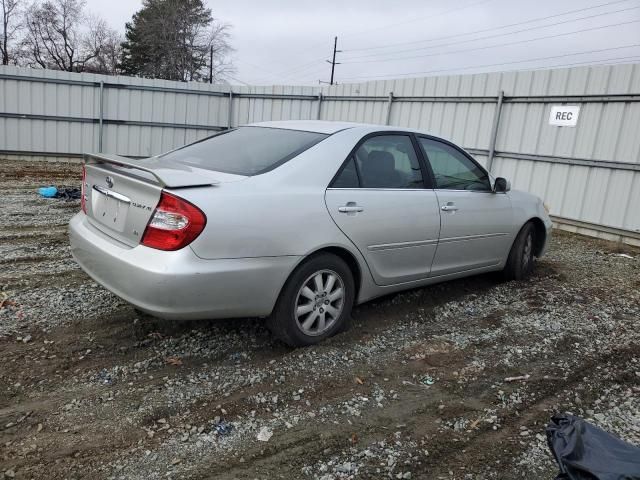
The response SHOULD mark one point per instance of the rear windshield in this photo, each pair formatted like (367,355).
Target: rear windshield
(246,150)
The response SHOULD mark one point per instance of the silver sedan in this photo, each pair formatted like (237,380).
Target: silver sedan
(298,221)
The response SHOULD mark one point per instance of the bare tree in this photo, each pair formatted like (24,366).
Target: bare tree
(106,42)
(10,27)
(218,41)
(59,35)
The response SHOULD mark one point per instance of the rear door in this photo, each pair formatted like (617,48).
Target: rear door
(476,223)
(380,200)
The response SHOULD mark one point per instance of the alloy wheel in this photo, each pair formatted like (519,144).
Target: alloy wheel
(319,302)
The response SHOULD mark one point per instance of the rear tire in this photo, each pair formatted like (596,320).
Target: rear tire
(315,302)
(521,260)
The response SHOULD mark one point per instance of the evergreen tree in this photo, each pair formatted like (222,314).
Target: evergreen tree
(172,39)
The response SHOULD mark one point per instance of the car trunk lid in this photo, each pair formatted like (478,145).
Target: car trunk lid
(122,194)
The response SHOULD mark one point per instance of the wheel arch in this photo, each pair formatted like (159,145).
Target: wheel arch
(343,253)
(540,237)
(348,258)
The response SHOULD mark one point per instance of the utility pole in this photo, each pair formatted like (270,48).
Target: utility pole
(333,62)
(211,65)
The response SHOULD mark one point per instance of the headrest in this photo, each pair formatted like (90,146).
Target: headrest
(381,161)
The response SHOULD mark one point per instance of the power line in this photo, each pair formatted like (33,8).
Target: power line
(518,42)
(235,79)
(314,65)
(491,64)
(438,14)
(429,17)
(391,45)
(609,61)
(621,60)
(588,62)
(302,66)
(265,73)
(310,69)
(487,37)
(630,60)
(287,73)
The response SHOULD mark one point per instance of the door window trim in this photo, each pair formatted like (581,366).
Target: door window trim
(459,150)
(427,179)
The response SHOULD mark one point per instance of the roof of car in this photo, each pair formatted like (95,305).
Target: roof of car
(318,126)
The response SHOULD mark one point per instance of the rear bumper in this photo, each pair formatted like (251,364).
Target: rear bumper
(179,285)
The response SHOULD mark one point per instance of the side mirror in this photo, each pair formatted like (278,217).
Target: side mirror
(501,185)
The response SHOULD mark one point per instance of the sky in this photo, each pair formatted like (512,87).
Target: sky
(289,41)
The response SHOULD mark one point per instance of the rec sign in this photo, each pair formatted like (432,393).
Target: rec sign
(564,115)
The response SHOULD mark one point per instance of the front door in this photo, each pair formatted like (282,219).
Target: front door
(476,223)
(380,202)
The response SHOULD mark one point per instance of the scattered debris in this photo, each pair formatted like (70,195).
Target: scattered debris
(265,434)
(223,428)
(66,193)
(515,379)
(4,299)
(427,380)
(474,424)
(562,327)
(583,450)
(48,192)
(105,377)
(175,361)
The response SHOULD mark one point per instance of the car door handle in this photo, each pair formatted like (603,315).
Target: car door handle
(350,207)
(449,207)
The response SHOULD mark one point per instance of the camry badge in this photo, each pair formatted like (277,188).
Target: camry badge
(109,181)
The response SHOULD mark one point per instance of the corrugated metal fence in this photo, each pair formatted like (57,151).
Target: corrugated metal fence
(589,175)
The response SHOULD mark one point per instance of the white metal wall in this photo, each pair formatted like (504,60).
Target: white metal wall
(589,175)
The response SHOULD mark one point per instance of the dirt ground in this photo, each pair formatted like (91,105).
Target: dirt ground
(415,389)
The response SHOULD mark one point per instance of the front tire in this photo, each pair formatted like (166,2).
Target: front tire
(521,261)
(315,302)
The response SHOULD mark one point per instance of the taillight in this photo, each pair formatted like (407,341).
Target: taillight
(175,224)
(83,190)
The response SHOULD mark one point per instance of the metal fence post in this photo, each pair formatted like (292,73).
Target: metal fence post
(390,101)
(230,111)
(100,120)
(319,106)
(494,131)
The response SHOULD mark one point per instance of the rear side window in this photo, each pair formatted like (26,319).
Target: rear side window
(388,161)
(348,178)
(246,150)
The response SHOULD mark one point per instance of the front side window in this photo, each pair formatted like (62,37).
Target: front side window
(246,150)
(388,161)
(452,169)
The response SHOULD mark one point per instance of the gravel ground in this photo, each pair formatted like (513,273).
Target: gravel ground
(416,388)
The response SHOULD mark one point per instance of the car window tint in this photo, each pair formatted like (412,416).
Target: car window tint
(388,161)
(348,177)
(246,150)
(452,169)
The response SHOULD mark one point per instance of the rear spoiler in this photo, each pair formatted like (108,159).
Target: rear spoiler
(168,175)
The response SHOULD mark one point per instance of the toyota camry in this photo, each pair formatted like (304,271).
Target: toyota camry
(296,222)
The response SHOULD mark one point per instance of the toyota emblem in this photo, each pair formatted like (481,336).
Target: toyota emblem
(109,181)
